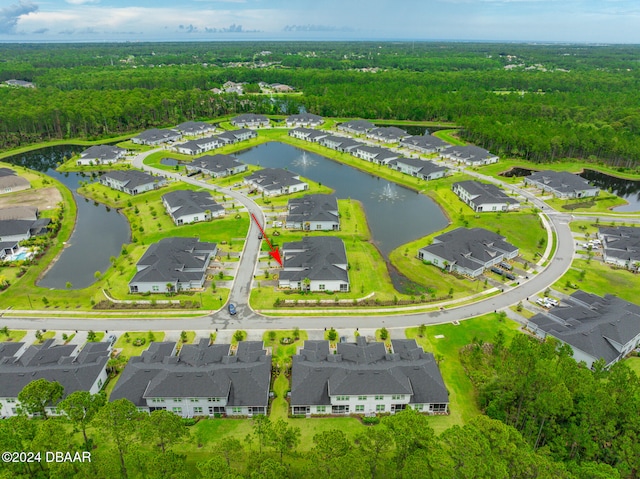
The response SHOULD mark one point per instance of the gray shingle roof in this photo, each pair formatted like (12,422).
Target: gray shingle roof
(190,202)
(194,127)
(622,242)
(365,369)
(103,152)
(274,178)
(156,134)
(313,208)
(131,178)
(485,192)
(315,258)
(469,151)
(590,323)
(200,371)
(358,125)
(425,141)
(53,363)
(424,166)
(215,163)
(561,181)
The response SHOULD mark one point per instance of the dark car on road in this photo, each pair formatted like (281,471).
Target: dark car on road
(232,309)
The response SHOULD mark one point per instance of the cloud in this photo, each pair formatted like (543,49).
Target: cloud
(81,2)
(316,28)
(40,31)
(9,16)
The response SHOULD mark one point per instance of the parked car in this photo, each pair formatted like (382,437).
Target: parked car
(259,235)
(111,339)
(232,309)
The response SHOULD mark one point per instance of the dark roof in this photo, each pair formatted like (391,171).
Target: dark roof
(470,151)
(7,172)
(103,152)
(469,247)
(191,127)
(233,135)
(315,258)
(131,178)
(200,371)
(53,363)
(380,153)
(249,118)
(622,242)
(166,260)
(485,192)
(197,144)
(190,202)
(313,208)
(392,133)
(311,133)
(424,166)
(215,163)
(342,141)
(365,369)
(562,181)
(274,178)
(425,141)
(358,125)
(14,227)
(592,324)
(306,117)
(156,134)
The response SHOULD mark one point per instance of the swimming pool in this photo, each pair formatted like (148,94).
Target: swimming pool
(21,256)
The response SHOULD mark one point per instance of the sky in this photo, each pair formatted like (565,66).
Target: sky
(574,21)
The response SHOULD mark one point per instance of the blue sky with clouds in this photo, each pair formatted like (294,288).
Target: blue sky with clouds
(594,21)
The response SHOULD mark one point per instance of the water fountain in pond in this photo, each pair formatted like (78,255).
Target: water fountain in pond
(304,161)
(389,193)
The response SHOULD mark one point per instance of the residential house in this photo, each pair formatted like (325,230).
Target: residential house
(217,166)
(562,184)
(317,263)
(595,327)
(233,87)
(203,380)
(374,154)
(468,251)
(187,206)
(15,230)
(173,264)
(200,145)
(425,170)
(313,213)
(101,155)
(193,128)
(20,364)
(234,136)
(387,134)
(19,213)
(156,137)
(339,143)
(250,120)
(10,182)
(356,127)
(469,155)
(282,88)
(426,144)
(621,246)
(304,119)
(308,134)
(132,182)
(275,181)
(484,196)
(20,83)
(366,378)
(17,223)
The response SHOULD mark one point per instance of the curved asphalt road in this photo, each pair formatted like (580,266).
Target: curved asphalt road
(248,319)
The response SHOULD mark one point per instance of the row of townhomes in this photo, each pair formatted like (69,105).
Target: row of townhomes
(101,155)
(366,378)
(562,184)
(482,197)
(621,246)
(313,213)
(206,379)
(468,251)
(173,264)
(187,206)
(275,181)
(216,166)
(317,263)
(132,182)
(595,327)
(208,143)
(74,369)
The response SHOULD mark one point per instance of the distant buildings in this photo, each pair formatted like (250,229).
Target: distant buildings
(304,119)
(484,197)
(308,134)
(356,127)
(317,263)
(374,154)
(21,364)
(192,128)
(275,181)
(250,120)
(187,206)
(562,184)
(595,327)
(366,378)
(203,380)
(156,137)
(216,166)
(101,155)
(173,264)
(340,143)
(469,155)
(468,251)
(313,213)
(621,246)
(426,144)
(423,169)
(195,147)
(132,182)
(20,83)
(387,134)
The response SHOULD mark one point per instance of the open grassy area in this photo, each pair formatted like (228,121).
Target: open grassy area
(634,363)
(450,136)
(445,341)
(126,342)
(603,203)
(13,335)
(600,279)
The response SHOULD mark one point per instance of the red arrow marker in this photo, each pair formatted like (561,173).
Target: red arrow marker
(274,252)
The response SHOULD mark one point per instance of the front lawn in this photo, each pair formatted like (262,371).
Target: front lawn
(12,335)
(134,342)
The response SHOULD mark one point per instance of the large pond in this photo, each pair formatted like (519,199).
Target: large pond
(627,189)
(99,232)
(396,215)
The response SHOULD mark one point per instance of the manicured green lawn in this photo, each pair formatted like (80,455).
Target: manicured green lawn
(14,335)
(600,279)
(462,397)
(603,203)
(450,136)
(126,344)
(634,363)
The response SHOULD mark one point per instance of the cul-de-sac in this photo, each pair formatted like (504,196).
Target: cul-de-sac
(366,259)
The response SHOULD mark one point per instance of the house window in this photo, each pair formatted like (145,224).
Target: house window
(397,397)
(197,410)
(359,408)
(342,398)
(344,287)
(417,407)
(321,408)
(195,218)
(157,400)
(362,398)
(236,410)
(194,400)
(99,383)
(214,399)
(155,288)
(11,400)
(439,407)
(177,399)
(379,398)
(379,407)
(321,287)
(177,410)
(318,227)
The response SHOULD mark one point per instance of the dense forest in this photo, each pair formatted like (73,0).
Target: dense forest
(540,102)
